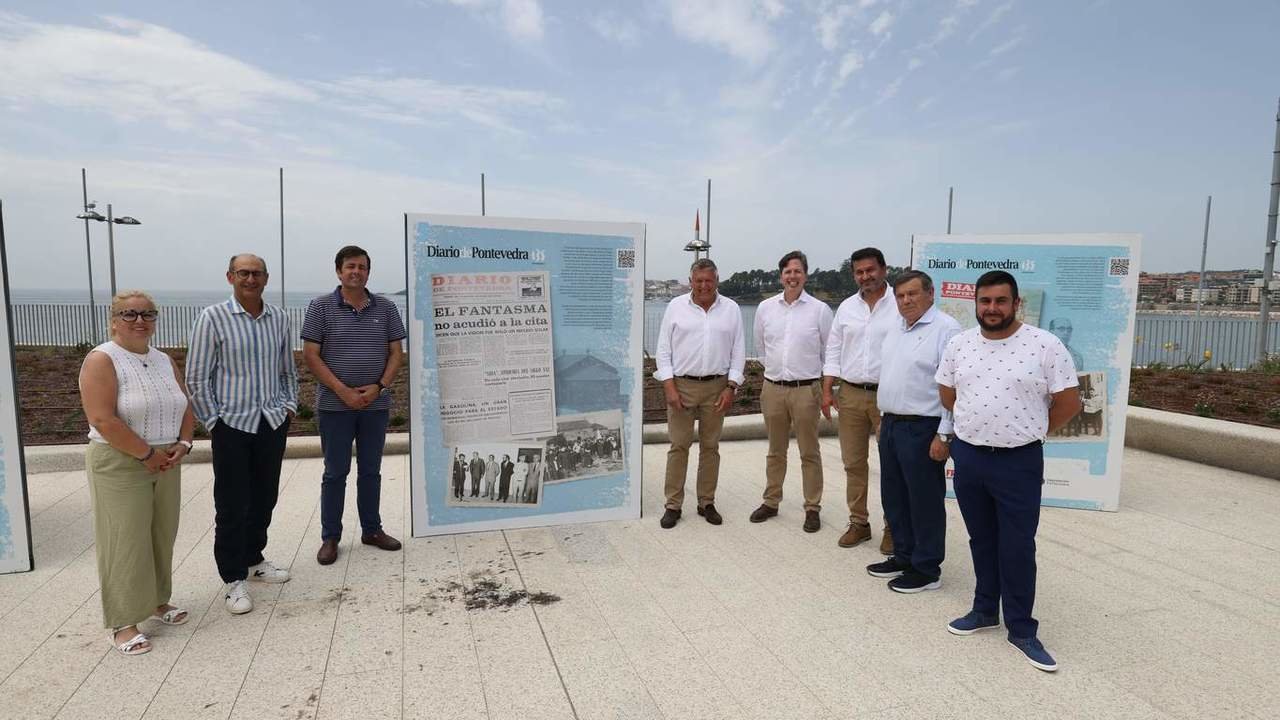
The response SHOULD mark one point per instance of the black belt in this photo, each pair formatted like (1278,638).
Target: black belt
(1000,450)
(700,378)
(793,383)
(870,387)
(911,418)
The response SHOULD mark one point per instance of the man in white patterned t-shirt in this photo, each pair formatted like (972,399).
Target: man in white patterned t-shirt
(1008,385)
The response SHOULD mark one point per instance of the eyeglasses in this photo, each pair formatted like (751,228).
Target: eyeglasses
(133,315)
(246,274)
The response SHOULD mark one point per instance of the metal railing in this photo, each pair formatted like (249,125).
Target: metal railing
(50,324)
(1172,339)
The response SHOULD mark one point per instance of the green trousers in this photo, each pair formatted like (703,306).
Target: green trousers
(135,523)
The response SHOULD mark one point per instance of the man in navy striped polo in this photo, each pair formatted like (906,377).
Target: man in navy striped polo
(351,343)
(244,388)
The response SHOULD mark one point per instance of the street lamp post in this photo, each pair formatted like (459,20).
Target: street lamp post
(110,220)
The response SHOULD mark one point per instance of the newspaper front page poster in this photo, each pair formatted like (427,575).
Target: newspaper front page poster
(1084,289)
(526,340)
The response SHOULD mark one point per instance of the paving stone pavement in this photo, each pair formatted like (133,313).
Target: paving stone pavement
(1169,608)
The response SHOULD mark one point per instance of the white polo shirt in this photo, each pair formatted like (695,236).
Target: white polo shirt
(697,342)
(909,360)
(792,337)
(1003,386)
(857,332)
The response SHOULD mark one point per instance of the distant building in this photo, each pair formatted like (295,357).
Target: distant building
(1236,294)
(1195,294)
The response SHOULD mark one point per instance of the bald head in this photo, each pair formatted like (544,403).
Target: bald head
(246,258)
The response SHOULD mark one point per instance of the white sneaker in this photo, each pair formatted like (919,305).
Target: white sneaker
(267,572)
(238,600)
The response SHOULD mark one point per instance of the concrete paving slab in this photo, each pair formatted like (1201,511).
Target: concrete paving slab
(1167,608)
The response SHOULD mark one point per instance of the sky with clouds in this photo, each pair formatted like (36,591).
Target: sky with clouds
(824,126)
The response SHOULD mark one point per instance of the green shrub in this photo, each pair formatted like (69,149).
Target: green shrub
(305,412)
(398,420)
(1204,409)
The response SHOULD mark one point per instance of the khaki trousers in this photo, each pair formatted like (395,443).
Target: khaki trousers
(786,408)
(135,523)
(699,398)
(859,423)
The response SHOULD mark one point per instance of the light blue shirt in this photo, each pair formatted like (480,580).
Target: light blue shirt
(240,368)
(909,360)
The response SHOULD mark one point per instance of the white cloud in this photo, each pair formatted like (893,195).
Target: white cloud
(926,103)
(739,27)
(131,71)
(882,23)
(830,22)
(991,19)
(616,29)
(522,20)
(949,23)
(420,101)
(890,91)
(914,63)
(1006,46)
(851,63)
(134,72)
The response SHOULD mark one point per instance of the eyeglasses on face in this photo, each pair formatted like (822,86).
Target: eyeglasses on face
(133,315)
(246,274)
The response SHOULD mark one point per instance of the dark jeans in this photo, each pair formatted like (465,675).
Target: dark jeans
(246,482)
(338,429)
(913,487)
(999,496)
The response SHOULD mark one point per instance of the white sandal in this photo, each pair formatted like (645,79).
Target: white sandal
(132,645)
(173,616)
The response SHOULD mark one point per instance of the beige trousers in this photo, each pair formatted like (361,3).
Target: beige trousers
(699,398)
(786,408)
(859,423)
(135,523)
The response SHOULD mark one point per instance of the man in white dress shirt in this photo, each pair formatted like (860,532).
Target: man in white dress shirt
(701,354)
(914,434)
(791,334)
(853,356)
(1009,385)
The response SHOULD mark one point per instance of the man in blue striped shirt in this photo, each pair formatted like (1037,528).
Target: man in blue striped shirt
(244,387)
(351,343)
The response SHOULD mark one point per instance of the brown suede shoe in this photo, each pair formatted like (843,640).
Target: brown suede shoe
(381,540)
(328,552)
(886,543)
(812,523)
(855,535)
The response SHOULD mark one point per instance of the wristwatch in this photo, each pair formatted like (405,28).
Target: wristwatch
(383,389)
(733,387)
(186,444)
(944,438)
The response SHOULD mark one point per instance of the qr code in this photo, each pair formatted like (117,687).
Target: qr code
(626,258)
(1119,267)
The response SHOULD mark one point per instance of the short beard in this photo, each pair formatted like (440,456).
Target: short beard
(1002,325)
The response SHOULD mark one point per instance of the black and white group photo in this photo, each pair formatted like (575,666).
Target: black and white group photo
(585,446)
(496,474)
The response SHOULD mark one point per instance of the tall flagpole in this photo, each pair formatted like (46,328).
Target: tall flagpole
(283,304)
(1269,264)
(88,257)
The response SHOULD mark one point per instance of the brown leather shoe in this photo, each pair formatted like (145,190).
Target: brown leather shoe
(328,552)
(886,543)
(762,513)
(856,534)
(381,540)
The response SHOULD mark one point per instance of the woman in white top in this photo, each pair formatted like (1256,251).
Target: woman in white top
(140,429)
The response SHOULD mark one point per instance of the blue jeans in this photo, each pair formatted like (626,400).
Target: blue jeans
(912,490)
(338,429)
(999,497)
